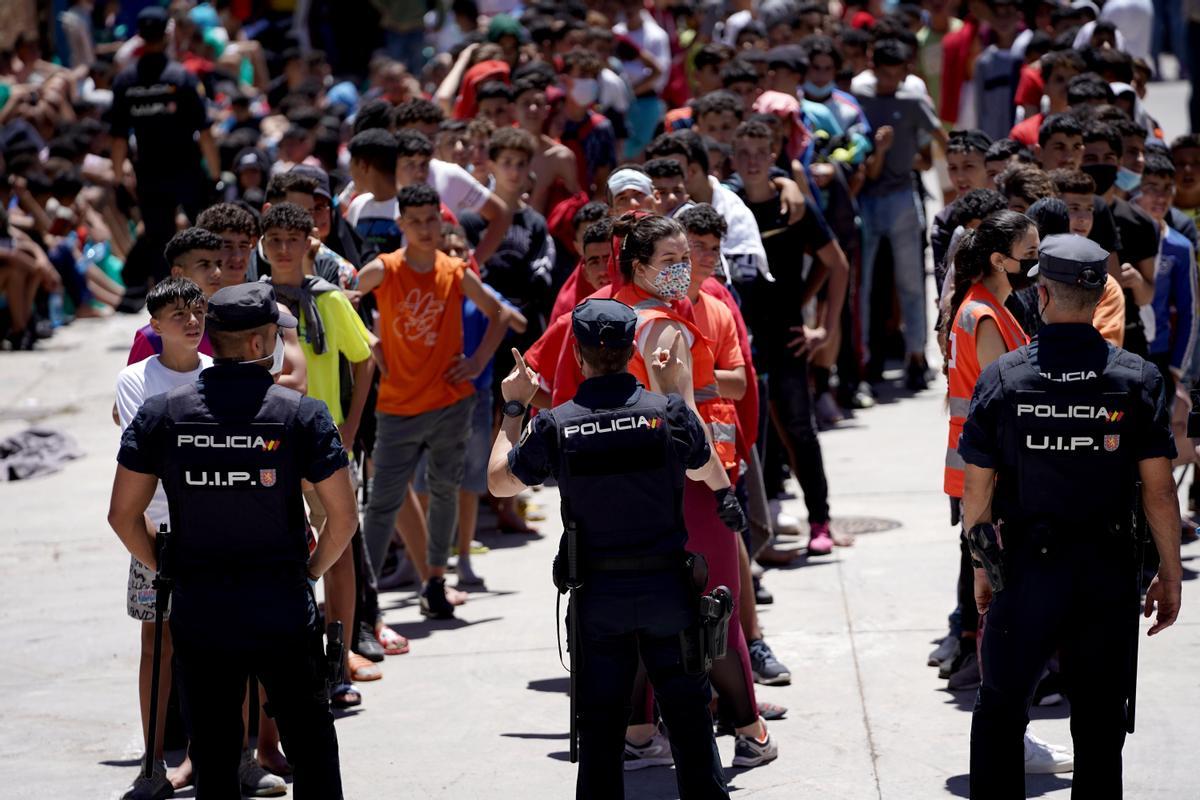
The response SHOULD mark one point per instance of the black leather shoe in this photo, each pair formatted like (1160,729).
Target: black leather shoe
(366,645)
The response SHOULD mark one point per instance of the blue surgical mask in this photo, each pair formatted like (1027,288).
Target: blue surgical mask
(819,92)
(1127,179)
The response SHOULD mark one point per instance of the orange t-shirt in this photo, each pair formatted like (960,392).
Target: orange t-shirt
(420,327)
(1109,317)
(715,321)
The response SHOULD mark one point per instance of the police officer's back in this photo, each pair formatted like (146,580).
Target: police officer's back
(1057,438)
(231,451)
(620,454)
(159,103)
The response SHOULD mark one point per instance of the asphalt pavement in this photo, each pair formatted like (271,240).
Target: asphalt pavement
(478,709)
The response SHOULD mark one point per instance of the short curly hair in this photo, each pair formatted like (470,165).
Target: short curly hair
(703,220)
(188,240)
(287,216)
(228,218)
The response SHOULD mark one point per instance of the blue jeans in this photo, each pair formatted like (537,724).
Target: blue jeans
(406,47)
(897,218)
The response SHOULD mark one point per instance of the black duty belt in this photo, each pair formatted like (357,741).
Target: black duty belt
(638,564)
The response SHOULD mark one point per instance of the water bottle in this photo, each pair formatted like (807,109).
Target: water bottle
(56,309)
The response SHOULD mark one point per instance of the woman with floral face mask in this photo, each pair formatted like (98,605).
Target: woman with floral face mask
(654,262)
(991,262)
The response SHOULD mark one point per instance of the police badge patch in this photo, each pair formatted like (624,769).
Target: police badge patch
(266,477)
(1111,442)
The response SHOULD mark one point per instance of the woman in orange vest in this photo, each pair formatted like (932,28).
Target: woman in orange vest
(991,262)
(655,266)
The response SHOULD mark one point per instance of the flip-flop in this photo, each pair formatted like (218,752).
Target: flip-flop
(393,644)
(455,597)
(345,696)
(363,670)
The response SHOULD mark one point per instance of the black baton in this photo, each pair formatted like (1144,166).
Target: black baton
(162,596)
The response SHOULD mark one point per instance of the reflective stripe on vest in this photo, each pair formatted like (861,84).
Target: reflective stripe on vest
(963,368)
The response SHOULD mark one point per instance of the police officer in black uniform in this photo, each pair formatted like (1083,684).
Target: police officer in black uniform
(620,454)
(159,103)
(1064,439)
(231,451)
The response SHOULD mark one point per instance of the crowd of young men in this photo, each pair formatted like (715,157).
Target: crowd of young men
(426,210)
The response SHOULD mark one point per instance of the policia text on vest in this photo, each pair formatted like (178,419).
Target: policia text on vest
(231,451)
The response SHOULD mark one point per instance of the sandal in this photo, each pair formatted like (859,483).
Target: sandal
(393,644)
(771,711)
(456,597)
(344,695)
(776,557)
(362,669)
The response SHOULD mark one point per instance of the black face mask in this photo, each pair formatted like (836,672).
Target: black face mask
(1021,280)
(1105,175)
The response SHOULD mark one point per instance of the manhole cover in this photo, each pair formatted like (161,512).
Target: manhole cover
(854,526)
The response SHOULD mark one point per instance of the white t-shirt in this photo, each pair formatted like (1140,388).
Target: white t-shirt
(135,384)
(375,221)
(457,189)
(655,41)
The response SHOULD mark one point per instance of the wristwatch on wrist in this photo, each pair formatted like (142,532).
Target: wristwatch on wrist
(514,408)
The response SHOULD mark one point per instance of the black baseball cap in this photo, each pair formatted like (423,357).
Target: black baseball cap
(317,174)
(602,323)
(245,306)
(1073,259)
(788,56)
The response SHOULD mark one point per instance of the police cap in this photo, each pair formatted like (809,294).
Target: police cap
(152,22)
(245,306)
(1072,259)
(603,323)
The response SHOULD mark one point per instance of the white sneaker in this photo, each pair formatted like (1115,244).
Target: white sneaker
(1043,758)
(750,752)
(256,781)
(783,524)
(654,753)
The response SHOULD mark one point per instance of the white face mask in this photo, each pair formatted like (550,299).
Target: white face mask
(276,356)
(584,91)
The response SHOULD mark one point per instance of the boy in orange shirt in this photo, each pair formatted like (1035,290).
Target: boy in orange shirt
(425,392)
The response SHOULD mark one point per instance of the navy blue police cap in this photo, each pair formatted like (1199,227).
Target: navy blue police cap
(245,306)
(152,20)
(1073,259)
(603,323)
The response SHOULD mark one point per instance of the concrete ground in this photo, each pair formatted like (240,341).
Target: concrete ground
(478,708)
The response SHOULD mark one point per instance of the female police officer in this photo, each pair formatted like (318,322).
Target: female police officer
(1058,435)
(231,451)
(620,454)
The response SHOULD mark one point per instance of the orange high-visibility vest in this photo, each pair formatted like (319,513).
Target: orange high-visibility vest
(963,368)
(718,413)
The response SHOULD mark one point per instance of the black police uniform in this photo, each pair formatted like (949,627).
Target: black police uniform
(1064,422)
(620,454)
(231,451)
(157,100)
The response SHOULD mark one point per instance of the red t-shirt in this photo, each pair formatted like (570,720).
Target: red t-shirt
(1030,87)
(1026,131)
